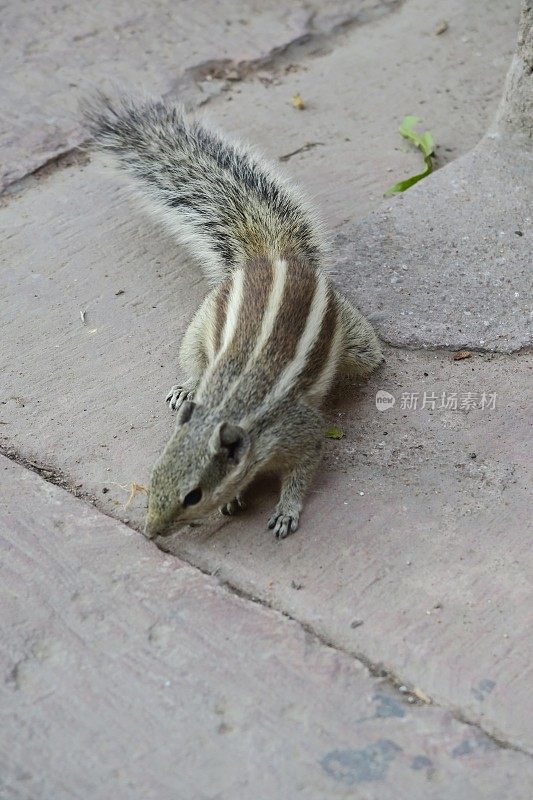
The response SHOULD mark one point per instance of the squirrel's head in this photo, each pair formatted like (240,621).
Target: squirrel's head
(200,469)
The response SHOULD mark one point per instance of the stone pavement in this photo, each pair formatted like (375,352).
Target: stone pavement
(128,672)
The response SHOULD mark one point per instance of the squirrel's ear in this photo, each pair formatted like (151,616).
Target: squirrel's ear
(185,412)
(230,439)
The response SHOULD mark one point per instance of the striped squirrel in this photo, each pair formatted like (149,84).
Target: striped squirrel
(268,341)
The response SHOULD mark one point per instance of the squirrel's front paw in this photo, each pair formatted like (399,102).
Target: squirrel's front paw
(177,395)
(283,524)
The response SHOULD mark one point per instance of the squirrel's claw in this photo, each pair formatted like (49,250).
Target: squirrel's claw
(231,508)
(177,395)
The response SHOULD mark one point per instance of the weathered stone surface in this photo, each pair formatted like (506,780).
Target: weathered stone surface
(358,91)
(413,551)
(86,397)
(442,264)
(54,53)
(418,527)
(448,263)
(515,114)
(128,674)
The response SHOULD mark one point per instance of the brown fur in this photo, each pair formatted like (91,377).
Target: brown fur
(291,318)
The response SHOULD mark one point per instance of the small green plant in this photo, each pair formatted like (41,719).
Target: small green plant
(425,143)
(334,432)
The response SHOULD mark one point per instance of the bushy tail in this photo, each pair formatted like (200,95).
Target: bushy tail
(218,197)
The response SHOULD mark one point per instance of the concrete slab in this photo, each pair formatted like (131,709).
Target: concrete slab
(127,673)
(54,53)
(414,549)
(448,263)
(92,306)
(358,89)
(478,266)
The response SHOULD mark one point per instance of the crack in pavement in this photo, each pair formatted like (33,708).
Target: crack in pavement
(221,72)
(73,158)
(413,696)
(523,350)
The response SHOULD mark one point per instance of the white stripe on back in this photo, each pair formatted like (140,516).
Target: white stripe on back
(271,311)
(210,333)
(308,338)
(230,324)
(232,313)
(279,279)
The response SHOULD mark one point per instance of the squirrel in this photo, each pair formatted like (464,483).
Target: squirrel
(270,338)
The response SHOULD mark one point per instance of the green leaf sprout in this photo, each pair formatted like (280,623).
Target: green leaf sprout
(425,143)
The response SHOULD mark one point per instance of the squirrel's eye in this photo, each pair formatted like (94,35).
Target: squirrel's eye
(192,498)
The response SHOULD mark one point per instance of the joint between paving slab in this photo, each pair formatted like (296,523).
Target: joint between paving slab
(414,696)
(420,347)
(73,158)
(225,70)
(303,46)
(377,670)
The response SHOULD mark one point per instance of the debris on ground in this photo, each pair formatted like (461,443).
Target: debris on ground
(461,354)
(134,489)
(441,27)
(418,693)
(298,102)
(302,149)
